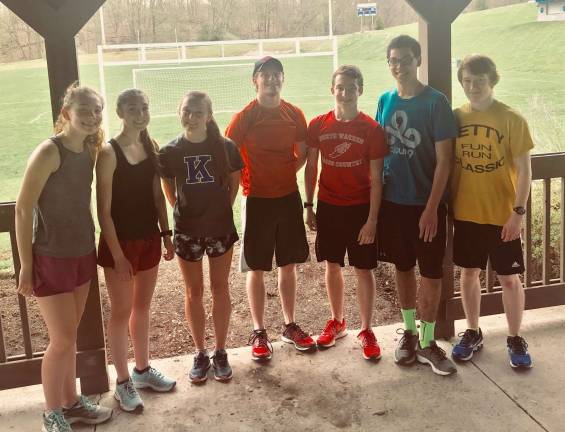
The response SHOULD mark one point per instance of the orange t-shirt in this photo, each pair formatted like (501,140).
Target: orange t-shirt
(267,139)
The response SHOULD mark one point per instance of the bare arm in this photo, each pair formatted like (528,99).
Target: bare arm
(428,220)
(511,229)
(169,188)
(161,206)
(368,231)
(233,185)
(310,179)
(41,164)
(105,167)
(300,155)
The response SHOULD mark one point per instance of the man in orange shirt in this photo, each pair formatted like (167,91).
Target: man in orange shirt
(271,136)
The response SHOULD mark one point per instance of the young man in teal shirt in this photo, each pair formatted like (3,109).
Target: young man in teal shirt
(420,127)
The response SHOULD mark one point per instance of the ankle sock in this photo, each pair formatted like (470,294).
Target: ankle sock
(122,382)
(427,330)
(409,317)
(141,371)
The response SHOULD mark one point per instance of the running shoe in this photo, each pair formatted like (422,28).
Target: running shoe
(293,334)
(128,397)
(471,341)
(199,371)
(54,421)
(518,352)
(86,411)
(436,358)
(332,331)
(371,349)
(152,379)
(261,348)
(222,368)
(405,352)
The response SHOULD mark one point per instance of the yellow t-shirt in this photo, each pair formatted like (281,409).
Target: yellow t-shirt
(484,176)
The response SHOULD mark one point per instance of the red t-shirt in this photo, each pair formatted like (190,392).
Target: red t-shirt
(346,149)
(267,138)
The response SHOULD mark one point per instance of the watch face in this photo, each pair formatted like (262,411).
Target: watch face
(520,210)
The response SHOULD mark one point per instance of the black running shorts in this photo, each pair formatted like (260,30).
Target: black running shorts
(399,240)
(272,226)
(474,243)
(338,229)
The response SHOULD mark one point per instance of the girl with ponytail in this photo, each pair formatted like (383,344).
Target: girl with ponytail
(131,208)
(55,235)
(201,172)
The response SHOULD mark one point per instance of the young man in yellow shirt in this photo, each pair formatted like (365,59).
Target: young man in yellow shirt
(490,187)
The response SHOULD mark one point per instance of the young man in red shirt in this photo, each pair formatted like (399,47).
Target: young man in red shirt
(352,147)
(270,134)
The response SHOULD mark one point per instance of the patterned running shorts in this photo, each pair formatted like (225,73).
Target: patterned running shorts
(193,248)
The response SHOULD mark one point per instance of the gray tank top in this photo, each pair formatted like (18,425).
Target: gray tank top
(63,225)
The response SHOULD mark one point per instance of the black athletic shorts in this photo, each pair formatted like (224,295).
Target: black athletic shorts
(474,243)
(272,226)
(338,229)
(399,242)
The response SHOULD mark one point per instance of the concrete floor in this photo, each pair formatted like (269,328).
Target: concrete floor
(337,390)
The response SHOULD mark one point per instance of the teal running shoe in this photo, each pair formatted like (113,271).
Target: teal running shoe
(152,379)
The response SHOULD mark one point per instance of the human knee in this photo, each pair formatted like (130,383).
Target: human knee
(470,273)
(62,342)
(333,268)
(510,282)
(194,294)
(120,313)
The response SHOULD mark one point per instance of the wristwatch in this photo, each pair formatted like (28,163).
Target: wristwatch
(166,233)
(519,210)
(308,204)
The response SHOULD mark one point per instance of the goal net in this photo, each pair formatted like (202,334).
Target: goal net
(167,71)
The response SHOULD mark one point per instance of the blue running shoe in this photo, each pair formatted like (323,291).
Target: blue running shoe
(518,352)
(199,371)
(471,341)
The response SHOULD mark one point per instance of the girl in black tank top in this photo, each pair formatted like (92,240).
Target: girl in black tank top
(58,266)
(131,207)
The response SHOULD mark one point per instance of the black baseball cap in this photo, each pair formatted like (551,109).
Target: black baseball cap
(267,60)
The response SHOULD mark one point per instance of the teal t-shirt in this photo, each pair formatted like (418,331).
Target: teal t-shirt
(413,126)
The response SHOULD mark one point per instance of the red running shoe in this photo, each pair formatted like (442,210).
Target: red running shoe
(261,348)
(332,331)
(295,335)
(371,349)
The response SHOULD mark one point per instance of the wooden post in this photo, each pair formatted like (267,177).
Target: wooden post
(58,21)
(436,17)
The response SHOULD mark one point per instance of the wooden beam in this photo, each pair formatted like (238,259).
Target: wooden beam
(54,19)
(491,303)
(436,17)
(548,165)
(62,69)
(25,372)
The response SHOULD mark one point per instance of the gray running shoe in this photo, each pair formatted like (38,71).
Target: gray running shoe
(436,358)
(152,379)
(405,352)
(128,397)
(54,421)
(222,368)
(86,411)
(199,371)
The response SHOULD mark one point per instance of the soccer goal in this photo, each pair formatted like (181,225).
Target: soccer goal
(167,71)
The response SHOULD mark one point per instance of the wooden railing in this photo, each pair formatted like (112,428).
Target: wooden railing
(542,292)
(25,369)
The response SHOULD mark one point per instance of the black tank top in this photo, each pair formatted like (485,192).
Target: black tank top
(133,207)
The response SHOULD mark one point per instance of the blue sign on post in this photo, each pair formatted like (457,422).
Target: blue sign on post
(366,9)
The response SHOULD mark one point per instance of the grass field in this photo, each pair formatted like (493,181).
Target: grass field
(530,57)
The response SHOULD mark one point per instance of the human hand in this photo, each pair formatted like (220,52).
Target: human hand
(169,252)
(123,268)
(512,227)
(428,224)
(367,233)
(311,219)
(25,285)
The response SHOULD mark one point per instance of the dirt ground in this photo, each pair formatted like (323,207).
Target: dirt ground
(169,334)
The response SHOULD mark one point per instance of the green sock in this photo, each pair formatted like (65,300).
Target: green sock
(409,317)
(427,330)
